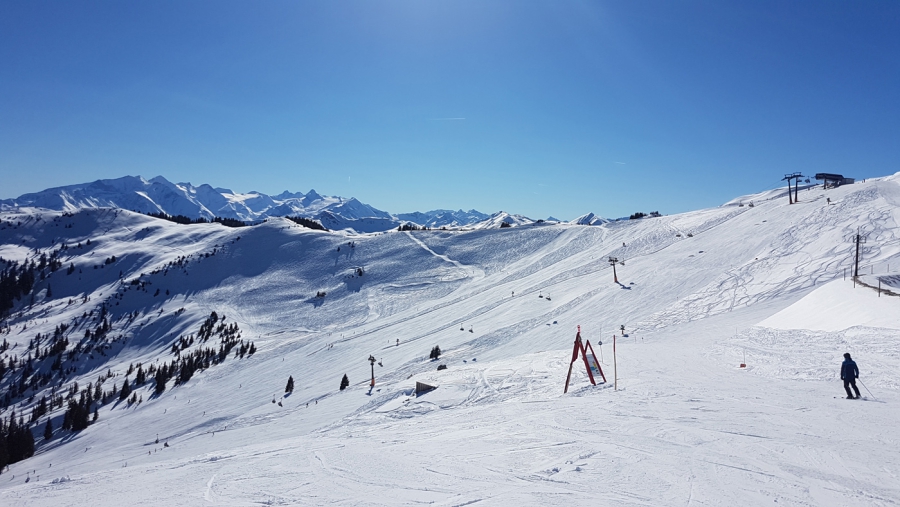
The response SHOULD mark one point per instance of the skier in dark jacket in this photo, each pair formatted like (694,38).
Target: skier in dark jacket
(849,374)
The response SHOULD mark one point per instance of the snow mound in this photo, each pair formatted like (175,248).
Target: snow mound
(836,306)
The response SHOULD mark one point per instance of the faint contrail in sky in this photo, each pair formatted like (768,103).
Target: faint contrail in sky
(620,163)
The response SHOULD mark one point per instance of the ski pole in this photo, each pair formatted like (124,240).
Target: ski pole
(866,388)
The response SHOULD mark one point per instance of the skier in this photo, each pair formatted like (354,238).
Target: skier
(849,374)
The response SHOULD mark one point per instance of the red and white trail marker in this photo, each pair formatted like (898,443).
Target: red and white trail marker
(591,365)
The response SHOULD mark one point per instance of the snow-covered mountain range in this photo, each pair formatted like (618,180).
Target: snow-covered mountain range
(719,337)
(158,195)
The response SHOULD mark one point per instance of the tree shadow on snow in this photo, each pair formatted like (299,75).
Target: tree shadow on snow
(353,283)
(316,301)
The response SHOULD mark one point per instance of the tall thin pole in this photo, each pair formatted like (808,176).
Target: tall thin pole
(615,368)
(856,268)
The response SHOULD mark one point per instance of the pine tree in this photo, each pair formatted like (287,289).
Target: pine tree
(435,352)
(28,441)
(48,430)
(345,382)
(160,378)
(290,385)
(126,390)
(49,292)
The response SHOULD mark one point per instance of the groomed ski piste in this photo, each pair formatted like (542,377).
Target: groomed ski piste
(767,285)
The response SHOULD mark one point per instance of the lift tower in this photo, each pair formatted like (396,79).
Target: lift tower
(796,177)
(612,262)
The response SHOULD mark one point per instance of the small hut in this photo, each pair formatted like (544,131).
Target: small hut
(422,388)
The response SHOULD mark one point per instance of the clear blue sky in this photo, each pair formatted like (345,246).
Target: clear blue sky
(540,108)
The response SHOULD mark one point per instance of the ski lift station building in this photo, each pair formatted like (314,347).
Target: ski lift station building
(835,179)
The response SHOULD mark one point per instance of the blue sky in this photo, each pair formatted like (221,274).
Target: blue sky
(539,108)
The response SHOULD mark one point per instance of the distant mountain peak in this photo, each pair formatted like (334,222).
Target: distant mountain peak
(287,194)
(589,219)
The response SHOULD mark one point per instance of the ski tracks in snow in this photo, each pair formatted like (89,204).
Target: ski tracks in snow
(477,273)
(208,496)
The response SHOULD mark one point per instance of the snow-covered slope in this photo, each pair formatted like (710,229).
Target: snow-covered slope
(683,424)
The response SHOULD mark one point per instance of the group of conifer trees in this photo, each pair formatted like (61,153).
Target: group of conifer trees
(15,281)
(306,222)
(181,219)
(202,358)
(16,440)
(409,226)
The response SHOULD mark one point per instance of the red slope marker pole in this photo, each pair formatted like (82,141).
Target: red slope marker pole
(574,358)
